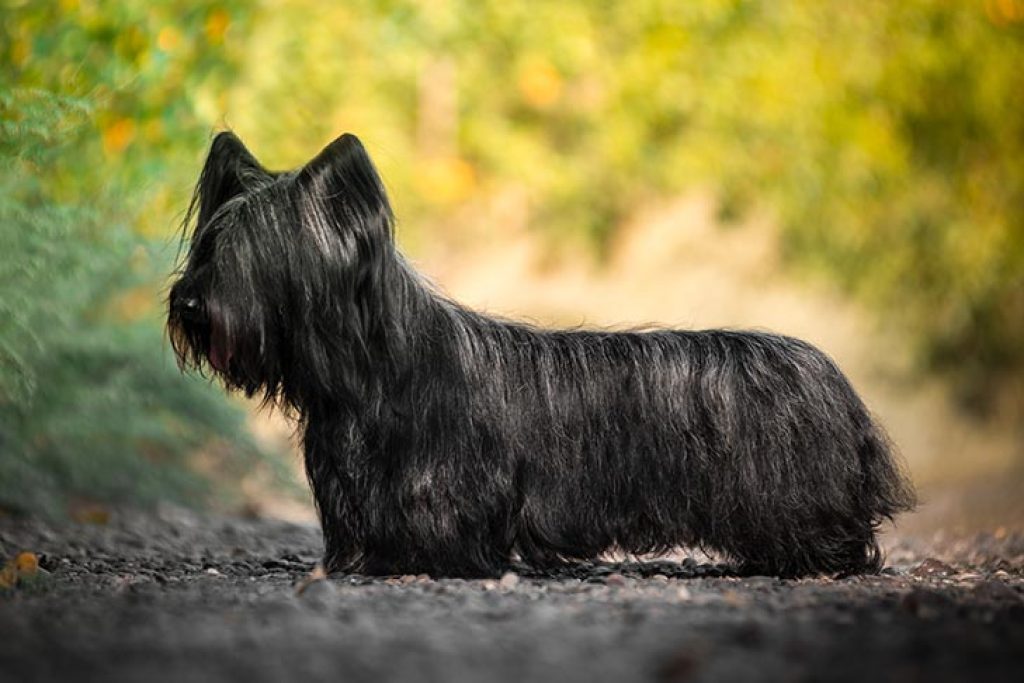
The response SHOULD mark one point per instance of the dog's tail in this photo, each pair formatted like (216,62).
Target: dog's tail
(866,484)
(885,488)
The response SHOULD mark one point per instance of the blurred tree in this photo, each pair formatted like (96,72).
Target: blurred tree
(887,136)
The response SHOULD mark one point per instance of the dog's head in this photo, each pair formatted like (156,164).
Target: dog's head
(270,290)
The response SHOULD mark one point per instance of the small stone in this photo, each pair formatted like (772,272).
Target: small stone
(212,571)
(318,591)
(318,574)
(684,594)
(659,578)
(509,581)
(422,578)
(734,598)
(615,580)
(489,584)
(932,567)
(406,579)
(760,581)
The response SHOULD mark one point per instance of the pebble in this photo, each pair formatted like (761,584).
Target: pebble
(932,567)
(615,580)
(509,581)
(734,598)
(319,591)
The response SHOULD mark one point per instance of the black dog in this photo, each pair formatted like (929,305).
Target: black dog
(444,441)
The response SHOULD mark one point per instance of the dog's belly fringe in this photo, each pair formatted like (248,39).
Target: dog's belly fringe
(750,444)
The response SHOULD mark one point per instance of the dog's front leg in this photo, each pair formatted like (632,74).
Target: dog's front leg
(337,501)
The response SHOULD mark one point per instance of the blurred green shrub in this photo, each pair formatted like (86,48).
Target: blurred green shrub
(92,406)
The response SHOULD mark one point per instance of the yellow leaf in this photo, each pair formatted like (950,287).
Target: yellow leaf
(118,135)
(217,25)
(168,38)
(540,84)
(318,574)
(8,576)
(27,565)
(24,566)
(446,180)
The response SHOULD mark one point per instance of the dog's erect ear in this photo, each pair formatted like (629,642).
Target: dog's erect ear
(229,170)
(343,172)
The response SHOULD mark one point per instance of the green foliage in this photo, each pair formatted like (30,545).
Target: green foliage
(151,74)
(92,405)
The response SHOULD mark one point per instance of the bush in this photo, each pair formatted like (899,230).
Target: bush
(92,405)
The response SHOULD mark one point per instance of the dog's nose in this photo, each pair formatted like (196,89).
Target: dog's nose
(186,305)
(191,308)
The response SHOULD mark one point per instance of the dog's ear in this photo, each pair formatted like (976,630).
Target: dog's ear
(343,174)
(230,169)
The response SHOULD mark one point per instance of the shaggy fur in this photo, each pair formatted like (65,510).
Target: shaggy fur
(444,441)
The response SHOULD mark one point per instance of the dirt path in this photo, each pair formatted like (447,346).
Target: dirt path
(175,597)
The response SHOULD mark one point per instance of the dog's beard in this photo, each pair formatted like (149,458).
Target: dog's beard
(196,342)
(220,348)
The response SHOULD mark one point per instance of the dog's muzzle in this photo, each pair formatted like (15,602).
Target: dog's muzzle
(187,308)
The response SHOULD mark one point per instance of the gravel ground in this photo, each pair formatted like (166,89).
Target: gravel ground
(173,596)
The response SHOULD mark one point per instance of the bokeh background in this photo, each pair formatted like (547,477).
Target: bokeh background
(852,173)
